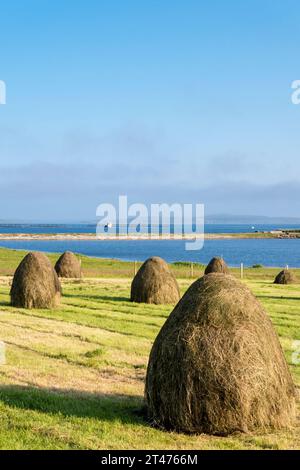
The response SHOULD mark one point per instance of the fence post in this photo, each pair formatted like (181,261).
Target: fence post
(192,270)
(80,264)
(242,270)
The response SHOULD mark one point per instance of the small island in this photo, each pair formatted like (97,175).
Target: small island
(279,234)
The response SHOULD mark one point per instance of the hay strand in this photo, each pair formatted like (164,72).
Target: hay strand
(68,266)
(216,265)
(217,365)
(154,283)
(285,277)
(35,283)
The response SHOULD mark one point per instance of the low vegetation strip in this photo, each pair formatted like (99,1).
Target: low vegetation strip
(118,270)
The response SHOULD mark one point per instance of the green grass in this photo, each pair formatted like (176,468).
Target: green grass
(111,268)
(74,376)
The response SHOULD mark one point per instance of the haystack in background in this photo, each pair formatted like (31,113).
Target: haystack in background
(285,277)
(216,265)
(35,283)
(154,283)
(217,365)
(68,266)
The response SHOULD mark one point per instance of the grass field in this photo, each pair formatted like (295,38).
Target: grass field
(74,376)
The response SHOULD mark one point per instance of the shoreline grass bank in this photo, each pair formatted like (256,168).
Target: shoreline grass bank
(144,236)
(113,268)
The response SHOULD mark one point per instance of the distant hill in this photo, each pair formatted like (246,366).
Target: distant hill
(209,219)
(249,219)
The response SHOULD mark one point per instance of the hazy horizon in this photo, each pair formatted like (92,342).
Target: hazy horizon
(218,219)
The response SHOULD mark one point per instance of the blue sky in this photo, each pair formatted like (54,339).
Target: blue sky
(165,101)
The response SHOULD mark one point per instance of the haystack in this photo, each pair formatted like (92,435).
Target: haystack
(216,265)
(68,266)
(35,283)
(217,366)
(154,283)
(285,277)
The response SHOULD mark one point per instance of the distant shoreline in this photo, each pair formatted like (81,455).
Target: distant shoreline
(93,237)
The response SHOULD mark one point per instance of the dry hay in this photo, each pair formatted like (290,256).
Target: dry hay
(35,283)
(68,266)
(285,277)
(217,365)
(216,265)
(154,283)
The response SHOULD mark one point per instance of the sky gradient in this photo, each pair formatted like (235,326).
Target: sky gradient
(173,101)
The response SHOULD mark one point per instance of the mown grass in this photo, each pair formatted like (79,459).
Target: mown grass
(74,376)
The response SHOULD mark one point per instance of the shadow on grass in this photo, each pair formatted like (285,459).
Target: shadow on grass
(276,297)
(106,298)
(122,408)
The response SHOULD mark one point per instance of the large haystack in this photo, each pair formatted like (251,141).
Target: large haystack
(217,365)
(285,277)
(35,283)
(68,266)
(216,265)
(154,283)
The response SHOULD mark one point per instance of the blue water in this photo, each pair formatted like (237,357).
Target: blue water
(268,252)
(91,228)
(47,228)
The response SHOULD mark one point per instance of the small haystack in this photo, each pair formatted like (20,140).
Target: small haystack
(216,265)
(68,265)
(217,366)
(285,277)
(35,283)
(154,283)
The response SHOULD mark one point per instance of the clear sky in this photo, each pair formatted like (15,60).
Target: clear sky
(165,101)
